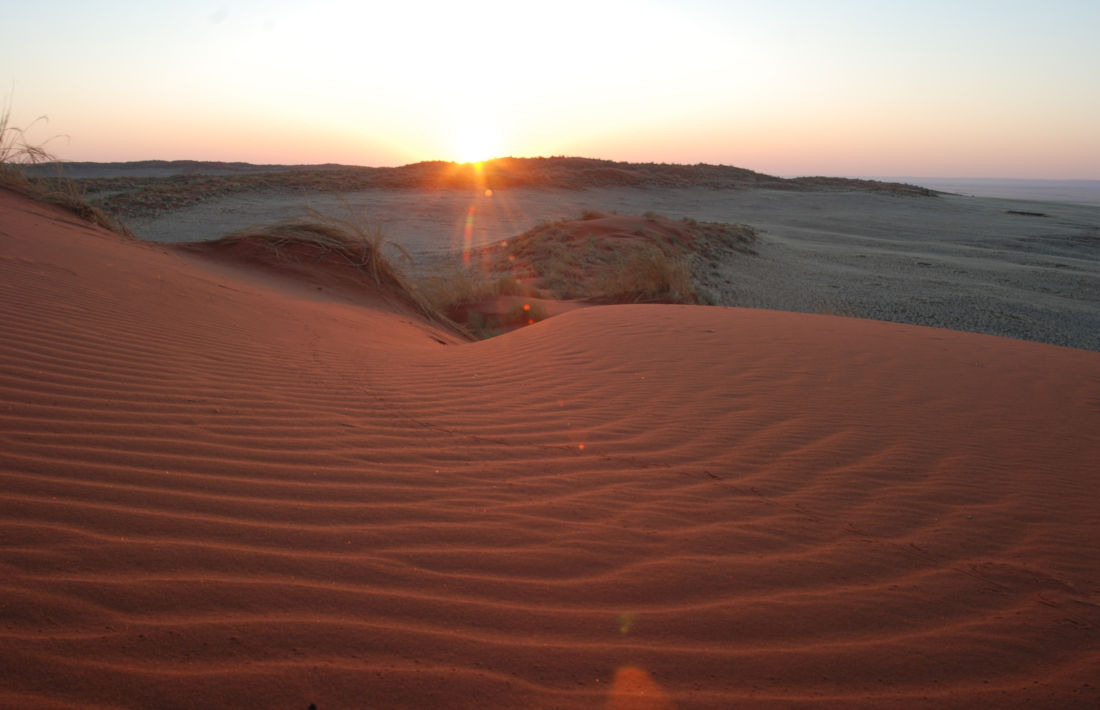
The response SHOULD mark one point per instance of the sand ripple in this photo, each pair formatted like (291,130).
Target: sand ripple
(219,493)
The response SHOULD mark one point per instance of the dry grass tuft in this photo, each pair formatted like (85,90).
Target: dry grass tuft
(349,242)
(16,154)
(451,288)
(14,149)
(621,259)
(645,274)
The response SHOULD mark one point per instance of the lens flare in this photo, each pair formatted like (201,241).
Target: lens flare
(468,235)
(634,689)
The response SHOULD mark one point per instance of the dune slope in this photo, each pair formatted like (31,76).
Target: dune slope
(225,488)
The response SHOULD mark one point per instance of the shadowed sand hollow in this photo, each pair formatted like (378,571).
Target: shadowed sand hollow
(226,487)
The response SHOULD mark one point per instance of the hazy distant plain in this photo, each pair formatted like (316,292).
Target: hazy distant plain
(952,261)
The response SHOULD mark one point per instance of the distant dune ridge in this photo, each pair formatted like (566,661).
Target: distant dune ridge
(230,486)
(1076,191)
(143,187)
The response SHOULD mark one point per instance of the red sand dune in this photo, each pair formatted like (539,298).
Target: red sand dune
(226,489)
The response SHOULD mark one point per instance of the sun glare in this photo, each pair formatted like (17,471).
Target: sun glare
(474,144)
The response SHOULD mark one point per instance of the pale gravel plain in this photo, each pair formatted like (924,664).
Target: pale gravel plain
(965,263)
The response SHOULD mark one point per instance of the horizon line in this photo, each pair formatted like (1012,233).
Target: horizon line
(786,175)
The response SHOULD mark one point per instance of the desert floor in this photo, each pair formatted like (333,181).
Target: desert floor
(964,263)
(226,487)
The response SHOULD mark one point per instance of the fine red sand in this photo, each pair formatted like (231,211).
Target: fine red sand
(223,488)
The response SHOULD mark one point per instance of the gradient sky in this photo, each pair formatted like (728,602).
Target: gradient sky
(981,88)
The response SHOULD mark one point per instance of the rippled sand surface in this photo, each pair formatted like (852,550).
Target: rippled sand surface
(226,488)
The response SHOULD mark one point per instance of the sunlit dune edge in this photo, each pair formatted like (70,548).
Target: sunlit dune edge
(234,486)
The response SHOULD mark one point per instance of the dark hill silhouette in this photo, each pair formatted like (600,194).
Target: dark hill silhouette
(152,186)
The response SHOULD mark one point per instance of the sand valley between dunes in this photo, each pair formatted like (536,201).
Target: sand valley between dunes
(226,488)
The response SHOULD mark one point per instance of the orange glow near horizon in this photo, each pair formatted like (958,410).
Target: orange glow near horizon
(474,144)
(971,98)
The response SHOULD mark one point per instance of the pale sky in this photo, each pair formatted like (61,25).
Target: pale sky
(966,88)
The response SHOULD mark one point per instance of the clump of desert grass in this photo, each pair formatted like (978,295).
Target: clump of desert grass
(597,258)
(646,274)
(450,288)
(16,155)
(592,259)
(459,292)
(350,242)
(14,149)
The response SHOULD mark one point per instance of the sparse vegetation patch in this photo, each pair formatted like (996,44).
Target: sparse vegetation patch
(619,259)
(318,238)
(16,156)
(597,258)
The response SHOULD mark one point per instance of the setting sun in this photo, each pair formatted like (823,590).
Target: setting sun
(474,144)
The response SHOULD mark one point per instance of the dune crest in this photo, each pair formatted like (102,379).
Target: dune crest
(224,487)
